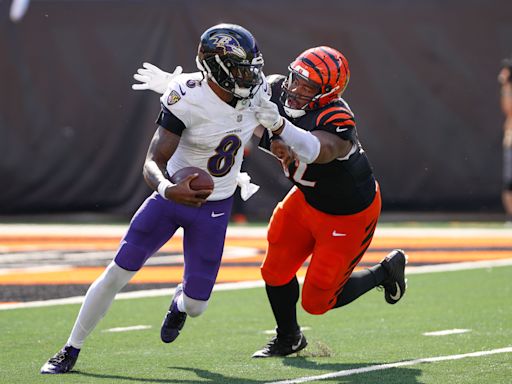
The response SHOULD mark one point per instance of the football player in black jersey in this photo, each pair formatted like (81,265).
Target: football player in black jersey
(332,211)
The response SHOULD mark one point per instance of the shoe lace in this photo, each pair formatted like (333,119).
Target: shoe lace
(177,319)
(58,358)
(272,343)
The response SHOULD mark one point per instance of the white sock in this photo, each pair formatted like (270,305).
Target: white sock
(97,301)
(181,304)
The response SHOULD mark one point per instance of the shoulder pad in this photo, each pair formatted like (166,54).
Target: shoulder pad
(336,115)
(179,87)
(338,120)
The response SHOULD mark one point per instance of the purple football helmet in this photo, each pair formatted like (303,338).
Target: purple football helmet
(229,55)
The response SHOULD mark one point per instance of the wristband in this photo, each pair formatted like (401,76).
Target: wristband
(162,187)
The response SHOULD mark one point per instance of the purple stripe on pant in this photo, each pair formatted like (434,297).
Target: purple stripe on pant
(204,233)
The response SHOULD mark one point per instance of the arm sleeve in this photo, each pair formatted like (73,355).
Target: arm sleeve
(166,119)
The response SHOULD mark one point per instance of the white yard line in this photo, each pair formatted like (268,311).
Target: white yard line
(128,329)
(381,367)
(446,332)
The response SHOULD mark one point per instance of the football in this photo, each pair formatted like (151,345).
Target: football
(202,181)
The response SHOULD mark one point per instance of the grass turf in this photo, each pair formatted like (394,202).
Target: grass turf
(216,347)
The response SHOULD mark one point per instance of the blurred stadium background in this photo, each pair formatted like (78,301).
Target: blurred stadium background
(73,135)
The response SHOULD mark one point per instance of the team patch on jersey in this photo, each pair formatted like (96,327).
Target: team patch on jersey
(191,83)
(173,98)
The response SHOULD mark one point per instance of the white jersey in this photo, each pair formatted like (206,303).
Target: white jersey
(215,133)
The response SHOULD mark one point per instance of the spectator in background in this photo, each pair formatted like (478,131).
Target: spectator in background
(505,79)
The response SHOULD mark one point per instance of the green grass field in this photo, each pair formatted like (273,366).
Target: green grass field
(216,347)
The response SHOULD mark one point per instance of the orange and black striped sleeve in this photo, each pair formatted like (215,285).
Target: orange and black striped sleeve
(337,120)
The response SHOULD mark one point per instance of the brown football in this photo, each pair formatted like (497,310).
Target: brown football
(202,181)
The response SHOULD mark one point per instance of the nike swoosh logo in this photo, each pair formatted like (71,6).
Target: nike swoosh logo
(398,293)
(337,234)
(341,129)
(183,93)
(295,346)
(218,214)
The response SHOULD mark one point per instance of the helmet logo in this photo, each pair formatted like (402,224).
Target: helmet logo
(229,44)
(302,71)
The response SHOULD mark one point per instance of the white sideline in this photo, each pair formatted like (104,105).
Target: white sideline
(255,284)
(381,367)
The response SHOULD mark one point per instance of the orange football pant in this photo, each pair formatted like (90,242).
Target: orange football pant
(336,244)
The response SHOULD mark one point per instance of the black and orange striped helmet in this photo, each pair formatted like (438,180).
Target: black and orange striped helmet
(323,68)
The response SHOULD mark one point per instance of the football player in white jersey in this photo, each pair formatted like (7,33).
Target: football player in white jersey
(206,119)
(333,209)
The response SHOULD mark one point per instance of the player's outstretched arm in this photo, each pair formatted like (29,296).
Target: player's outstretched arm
(310,147)
(153,78)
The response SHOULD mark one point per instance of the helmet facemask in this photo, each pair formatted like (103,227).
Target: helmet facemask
(296,103)
(229,56)
(316,77)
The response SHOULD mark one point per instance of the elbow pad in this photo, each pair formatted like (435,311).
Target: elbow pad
(305,145)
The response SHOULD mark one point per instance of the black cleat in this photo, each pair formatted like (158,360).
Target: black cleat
(396,283)
(283,346)
(174,319)
(62,362)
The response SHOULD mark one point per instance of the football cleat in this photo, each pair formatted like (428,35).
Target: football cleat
(62,362)
(174,319)
(396,283)
(281,345)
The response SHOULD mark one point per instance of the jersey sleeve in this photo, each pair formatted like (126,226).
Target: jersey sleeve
(166,119)
(338,120)
(174,114)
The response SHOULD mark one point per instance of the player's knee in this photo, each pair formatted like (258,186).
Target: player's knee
(194,307)
(315,300)
(272,278)
(114,277)
(131,257)
(314,307)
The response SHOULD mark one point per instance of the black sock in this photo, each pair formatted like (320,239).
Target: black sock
(283,300)
(359,283)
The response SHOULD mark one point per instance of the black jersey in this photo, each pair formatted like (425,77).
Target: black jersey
(343,186)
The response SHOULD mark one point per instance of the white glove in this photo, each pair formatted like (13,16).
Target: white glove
(247,189)
(153,78)
(268,115)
